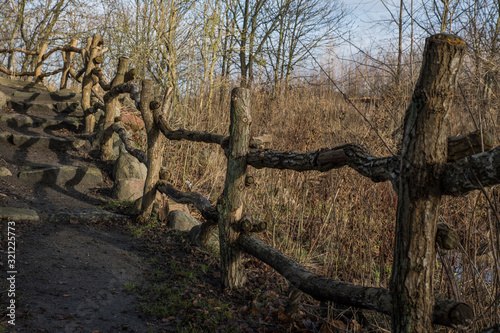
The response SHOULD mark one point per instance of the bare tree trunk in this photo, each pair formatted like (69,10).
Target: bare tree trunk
(156,144)
(423,158)
(231,207)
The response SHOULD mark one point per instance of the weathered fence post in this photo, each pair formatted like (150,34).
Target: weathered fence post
(88,80)
(111,110)
(67,57)
(231,206)
(423,157)
(39,61)
(156,144)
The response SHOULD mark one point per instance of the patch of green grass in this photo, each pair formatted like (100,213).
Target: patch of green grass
(155,260)
(114,205)
(138,230)
(130,286)
(194,314)
(158,274)
(204,268)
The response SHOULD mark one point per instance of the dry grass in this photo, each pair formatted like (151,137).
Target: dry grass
(339,223)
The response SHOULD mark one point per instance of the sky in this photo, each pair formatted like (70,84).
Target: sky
(371,20)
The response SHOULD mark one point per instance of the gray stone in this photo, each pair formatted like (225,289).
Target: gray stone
(25,85)
(44,97)
(39,141)
(3,99)
(128,189)
(69,107)
(15,120)
(86,216)
(127,166)
(4,172)
(19,214)
(61,175)
(213,240)
(180,220)
(5,136)
(31,108)
(68,122)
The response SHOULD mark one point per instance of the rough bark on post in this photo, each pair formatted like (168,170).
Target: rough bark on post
(67,57)
(423,158)
(88,81)
(156,143)
(111,111)
(231,205)
(38,69)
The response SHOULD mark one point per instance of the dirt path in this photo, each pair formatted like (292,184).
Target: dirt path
(70,275)
(71,279)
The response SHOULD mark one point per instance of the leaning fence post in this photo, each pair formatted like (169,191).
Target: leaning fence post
(39,61)
(423,159)
(67,57)
(231,205)
(111,110)
(88,81)
(156,144)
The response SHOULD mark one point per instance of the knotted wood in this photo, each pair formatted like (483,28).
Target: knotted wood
(230,206)
(112,111)
(156,143)
(423,159)
(89,55)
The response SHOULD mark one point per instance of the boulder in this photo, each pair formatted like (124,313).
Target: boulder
(127,166)
(128,189)
(64,175)
(162,206)
(86,216)
(213,240)
(4,172)
(15,120)
(134,122)
(180,220)
(42,141)
(3,99)
(19,214)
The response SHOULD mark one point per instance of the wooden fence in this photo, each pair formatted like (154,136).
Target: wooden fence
(91,58)
(429,166)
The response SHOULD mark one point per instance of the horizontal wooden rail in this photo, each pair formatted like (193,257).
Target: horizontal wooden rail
(458,178)
(66,50)
(446,312)
(18,50)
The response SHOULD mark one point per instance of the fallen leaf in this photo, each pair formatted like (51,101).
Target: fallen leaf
(62,317)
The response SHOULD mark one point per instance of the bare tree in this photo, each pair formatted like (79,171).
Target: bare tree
(255,21)
(211,34)
(303,26)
